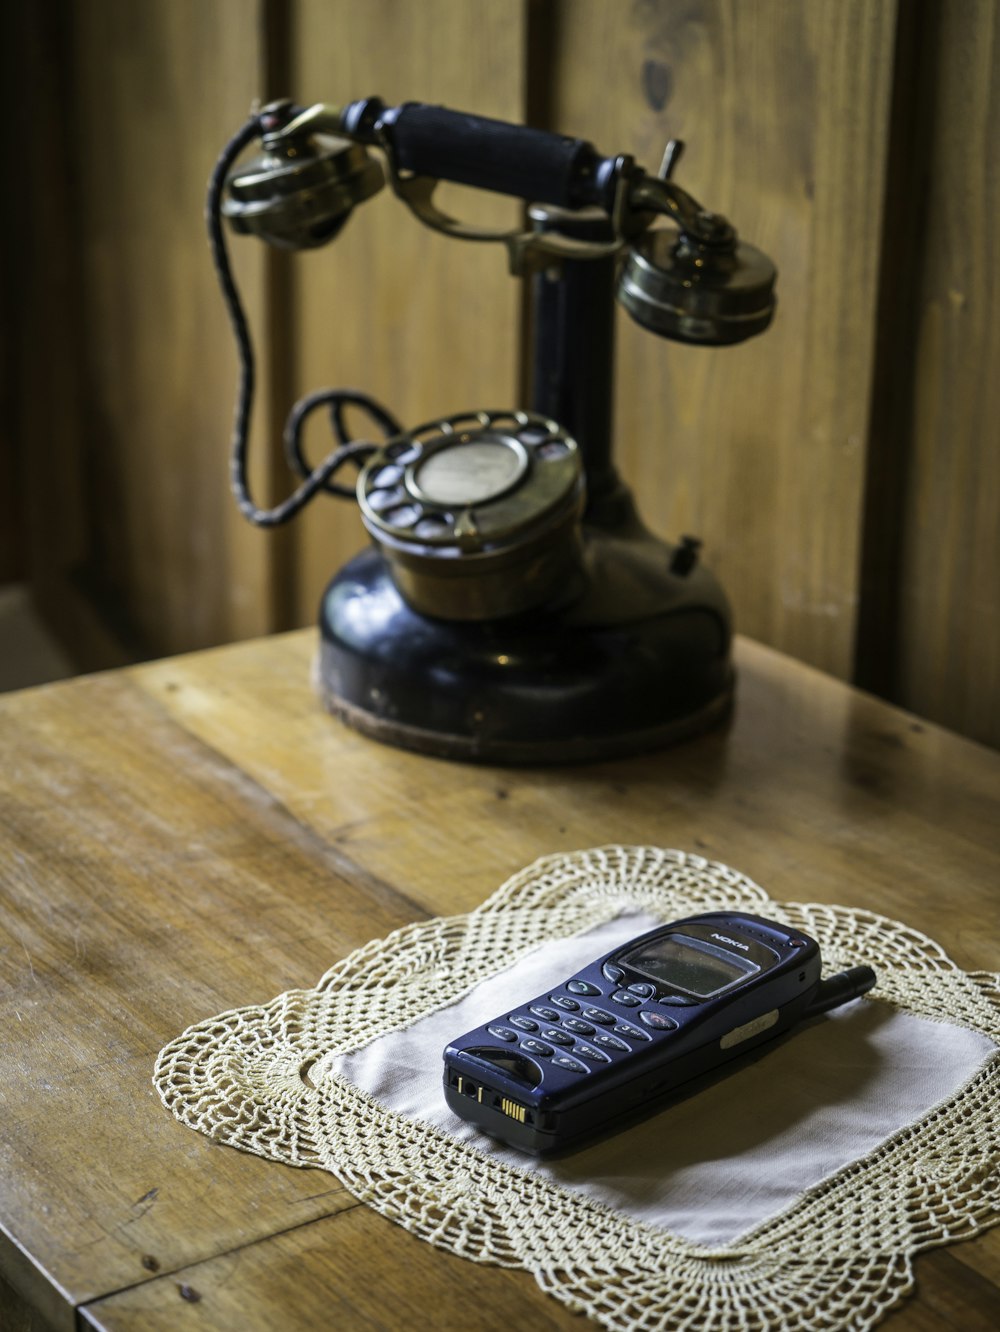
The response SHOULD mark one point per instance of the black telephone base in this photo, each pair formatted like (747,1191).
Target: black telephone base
(638,659)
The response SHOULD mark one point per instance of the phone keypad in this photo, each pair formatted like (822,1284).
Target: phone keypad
(568,1062)
(549,1014)
(599,1016)
(572,1029)
(531,1046)
(609,1042)
(632,1033)
(606,1033)
(595,1056)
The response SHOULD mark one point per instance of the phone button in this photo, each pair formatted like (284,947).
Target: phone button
(600,1017)
(610,1042)
(525,1024)
(564,1001)
(633,1033)
(502,1033)
(390,475)
(658,1021)
(643,989)
(549,1014)
(556,1036)
(581,1028)
(386,499)
(589,1052)
(536,1047)
(628,1000)
(567,1061)
(676,999)
(581,987)
(612,973)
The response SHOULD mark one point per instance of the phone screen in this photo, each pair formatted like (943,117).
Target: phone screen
(690,964)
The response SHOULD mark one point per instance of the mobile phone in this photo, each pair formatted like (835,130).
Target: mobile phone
(636,1025)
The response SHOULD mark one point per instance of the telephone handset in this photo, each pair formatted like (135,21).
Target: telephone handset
(512,606)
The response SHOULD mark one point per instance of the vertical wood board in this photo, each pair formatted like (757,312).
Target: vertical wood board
(159,88)
(948,658)
(757,448)
(39,378)
(427,324)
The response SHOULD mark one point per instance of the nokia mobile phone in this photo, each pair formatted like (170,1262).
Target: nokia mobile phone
(635,1026)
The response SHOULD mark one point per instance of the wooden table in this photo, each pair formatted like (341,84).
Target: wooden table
(195,835)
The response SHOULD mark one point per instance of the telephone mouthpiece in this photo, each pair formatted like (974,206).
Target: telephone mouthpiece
(680,288)
(300,190)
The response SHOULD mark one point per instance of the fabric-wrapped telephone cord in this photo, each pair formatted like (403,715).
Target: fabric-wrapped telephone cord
(349,449)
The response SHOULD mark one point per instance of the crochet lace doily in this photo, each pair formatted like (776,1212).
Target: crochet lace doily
(839,1257)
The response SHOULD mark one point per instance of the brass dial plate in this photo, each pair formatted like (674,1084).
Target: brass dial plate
(470,482)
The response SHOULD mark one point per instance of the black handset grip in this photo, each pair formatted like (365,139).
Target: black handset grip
(493,155)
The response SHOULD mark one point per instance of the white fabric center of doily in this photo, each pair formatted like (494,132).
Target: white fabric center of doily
(731,1157)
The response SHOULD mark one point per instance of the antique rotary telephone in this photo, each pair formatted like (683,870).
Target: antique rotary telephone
(512,606)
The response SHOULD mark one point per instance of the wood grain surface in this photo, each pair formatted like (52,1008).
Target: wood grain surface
(948,652)
(157,90)
(40,311)
(427,325)
(323,1275)
(195,835)
(758,448)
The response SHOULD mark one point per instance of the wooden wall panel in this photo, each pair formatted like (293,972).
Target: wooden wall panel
(12,554)
(39,309)
(758,448)
(158,88)
(794,456)
(426,324)
(948,650)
